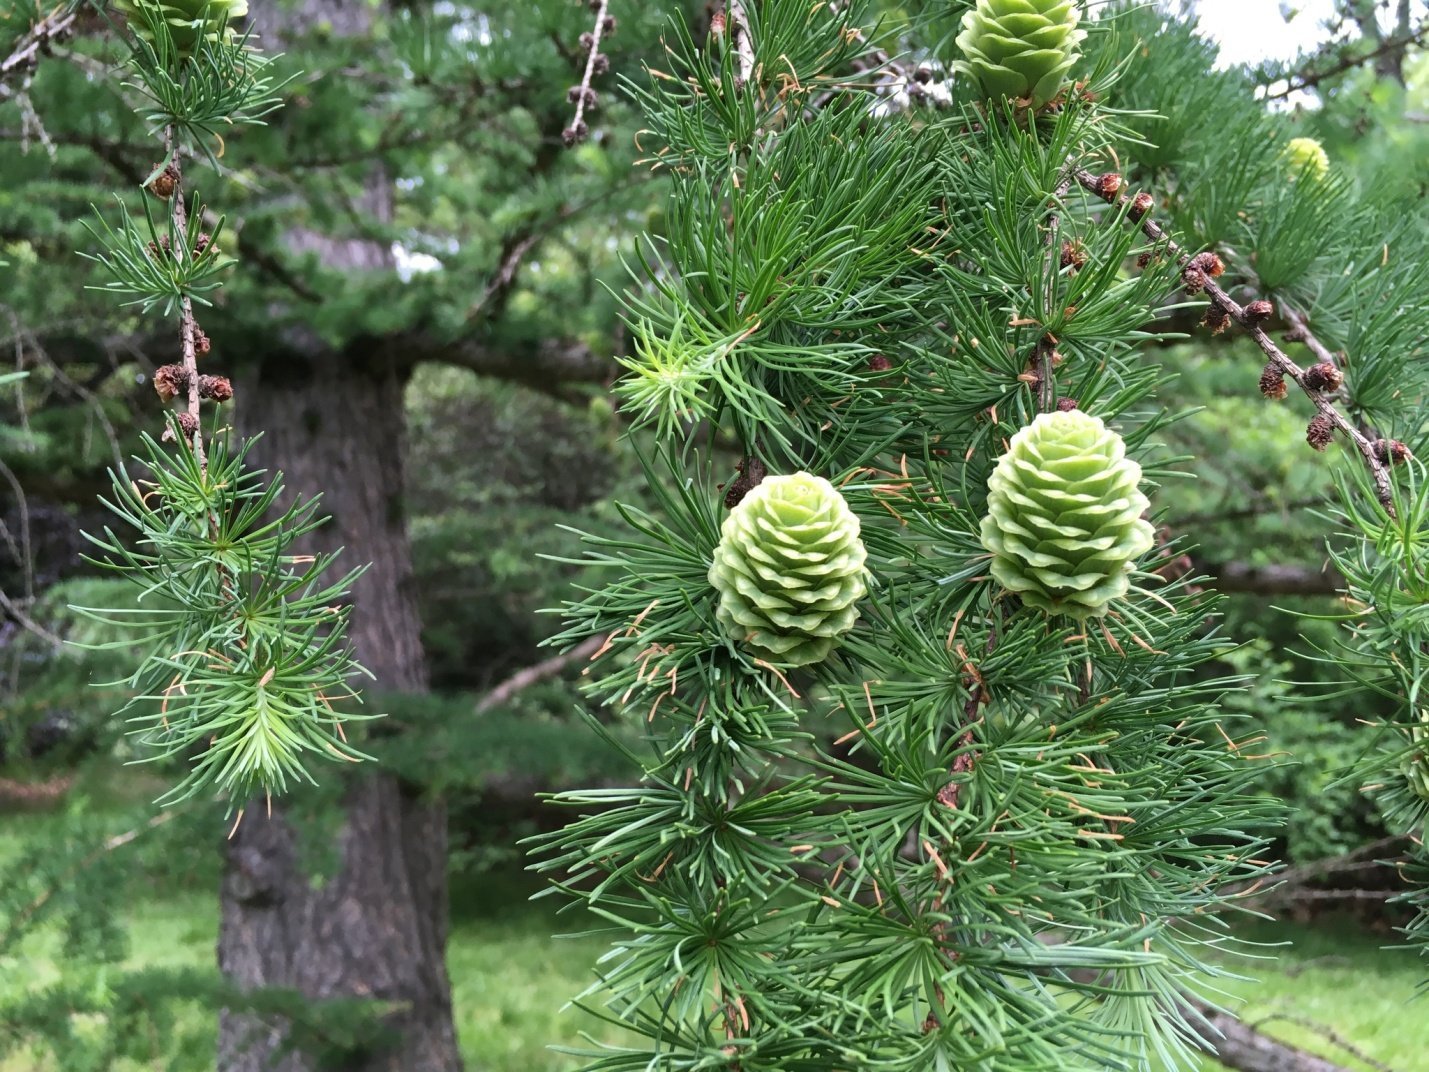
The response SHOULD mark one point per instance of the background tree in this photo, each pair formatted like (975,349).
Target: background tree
(445,150)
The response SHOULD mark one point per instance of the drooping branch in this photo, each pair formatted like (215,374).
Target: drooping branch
(1312,78)
(582,95)
(1251,318)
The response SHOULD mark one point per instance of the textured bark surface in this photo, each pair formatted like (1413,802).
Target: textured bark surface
(377,926)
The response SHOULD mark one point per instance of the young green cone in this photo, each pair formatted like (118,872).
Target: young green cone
(1021,49)
(1064,520)
(1307,157)
(187,20)
(789,569)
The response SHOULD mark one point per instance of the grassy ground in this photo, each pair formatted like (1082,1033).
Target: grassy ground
(511,978)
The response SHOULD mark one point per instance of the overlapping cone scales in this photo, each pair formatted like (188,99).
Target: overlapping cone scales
(187,20)
(1021,49)
(789,569)
(1064,520)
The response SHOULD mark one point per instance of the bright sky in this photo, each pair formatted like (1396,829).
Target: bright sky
(1253,30)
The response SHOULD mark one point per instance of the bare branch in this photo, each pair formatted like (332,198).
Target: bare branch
(532,675)
(1310,79)
(55,26)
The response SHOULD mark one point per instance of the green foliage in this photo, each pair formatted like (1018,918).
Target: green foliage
(183,21)
(1384,648)
(900,856)
(245,653)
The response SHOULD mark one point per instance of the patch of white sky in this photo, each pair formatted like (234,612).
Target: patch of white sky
(1246,31)
(1252,31)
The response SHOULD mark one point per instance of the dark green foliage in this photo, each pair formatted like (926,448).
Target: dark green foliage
(899,857)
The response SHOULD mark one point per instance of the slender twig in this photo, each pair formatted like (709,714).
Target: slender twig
(188,326)
(55,26)
(1045,353)
(743,40)
(1313,78)
(1379,470)
(531,675)
(24,915)
(584,94)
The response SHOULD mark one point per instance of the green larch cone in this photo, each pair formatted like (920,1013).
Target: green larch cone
(187,20)
(1020,49)
(789,569)
(1307,157)
(1064,520)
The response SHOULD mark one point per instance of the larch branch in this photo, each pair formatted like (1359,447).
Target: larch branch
(1378,469)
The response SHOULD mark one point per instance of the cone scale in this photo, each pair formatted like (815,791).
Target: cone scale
(187,20)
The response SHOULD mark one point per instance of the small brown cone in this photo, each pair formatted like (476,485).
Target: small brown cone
(1320,431)
(1272,382)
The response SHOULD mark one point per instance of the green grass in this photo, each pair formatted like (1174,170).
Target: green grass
(511,979)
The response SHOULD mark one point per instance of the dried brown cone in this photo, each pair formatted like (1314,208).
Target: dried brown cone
(1074,255)
(1066,404)
(165,183)
(1391,451)
(1272,382)
(1216,318)
(1259,310)
(1108,186)
(171,381)
(1208,263)
(1320,430)
(1194,279)
(202,345)
(1140,206)
(1324,376)
(187,423)
(879,363)
(216,388)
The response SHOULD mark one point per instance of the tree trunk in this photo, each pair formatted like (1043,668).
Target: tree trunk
(376,928)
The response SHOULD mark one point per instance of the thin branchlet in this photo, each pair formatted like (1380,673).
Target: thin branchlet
(1378,469)
(582,93)
(188,326)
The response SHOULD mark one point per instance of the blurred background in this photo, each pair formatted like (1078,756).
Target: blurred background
(423,263)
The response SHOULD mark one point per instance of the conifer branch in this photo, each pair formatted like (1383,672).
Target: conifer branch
(25,55)
(536,673)
(1110,191)
(1311,79)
